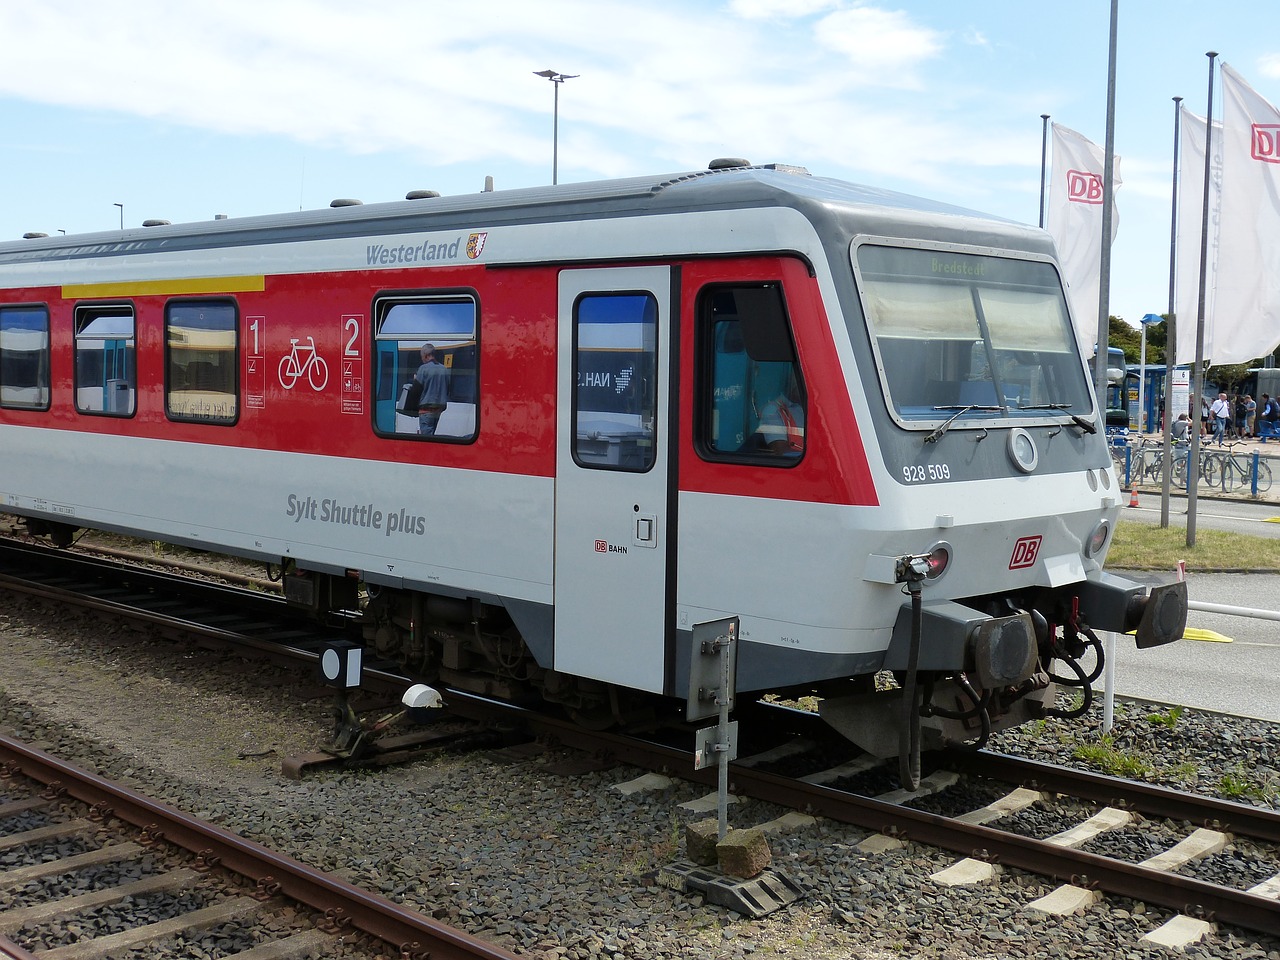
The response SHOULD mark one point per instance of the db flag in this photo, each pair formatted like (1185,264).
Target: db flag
(1074,219)
(1247,299)
(1192,140)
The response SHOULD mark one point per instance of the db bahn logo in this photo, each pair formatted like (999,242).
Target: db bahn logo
(1025,552)
(1265,142)
(1084,187)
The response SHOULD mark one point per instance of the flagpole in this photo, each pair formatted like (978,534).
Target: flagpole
(1044,151)
(1108,195)
(1197,376)
(1171,322)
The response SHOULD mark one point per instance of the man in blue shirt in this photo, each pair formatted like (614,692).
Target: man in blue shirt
(434,377)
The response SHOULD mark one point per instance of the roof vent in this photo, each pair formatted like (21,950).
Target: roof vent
(727,163)
(33,236)
(346,202)
(155,223)
(421,194)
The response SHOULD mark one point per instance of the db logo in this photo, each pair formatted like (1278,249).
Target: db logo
(1024,552)
(602,546)
(1265,142)
(1084,187)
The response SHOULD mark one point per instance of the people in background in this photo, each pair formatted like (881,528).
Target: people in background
(1220,417)
(1250,416)
(1181,429)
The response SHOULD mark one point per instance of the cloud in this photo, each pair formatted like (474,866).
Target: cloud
(779,9)
(882,46)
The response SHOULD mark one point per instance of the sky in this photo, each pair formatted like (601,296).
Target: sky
(141,109)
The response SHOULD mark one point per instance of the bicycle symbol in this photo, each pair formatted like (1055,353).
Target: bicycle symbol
(292,367)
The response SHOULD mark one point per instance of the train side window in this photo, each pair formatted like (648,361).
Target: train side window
(24,358)
(106,378)
(445,403)
(615,365)
(751,398)
(202,361)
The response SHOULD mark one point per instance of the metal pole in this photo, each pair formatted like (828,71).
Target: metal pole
(1171,322)
(1108,192)
(1142,383)
(722,804)
(1044,152)
(557,78)
(1197,375)
(555,135)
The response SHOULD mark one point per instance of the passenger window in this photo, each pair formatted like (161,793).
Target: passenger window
(615,363)
(426,353)
(106,377)
(752,402)
(202,361)
(24,358)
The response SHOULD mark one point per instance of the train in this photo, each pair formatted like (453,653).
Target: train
(854,420)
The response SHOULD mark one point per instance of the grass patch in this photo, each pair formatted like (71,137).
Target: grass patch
(1105,756)
(1168,720)
(1145,546)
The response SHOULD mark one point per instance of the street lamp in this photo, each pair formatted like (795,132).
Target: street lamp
(557,78)
(121,206)
(1142,374)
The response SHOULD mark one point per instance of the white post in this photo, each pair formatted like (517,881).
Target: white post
(1109,671)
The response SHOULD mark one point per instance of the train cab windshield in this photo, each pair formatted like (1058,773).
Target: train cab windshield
(960,332)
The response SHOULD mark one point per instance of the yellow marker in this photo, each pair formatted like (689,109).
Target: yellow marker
(1195,633)
(1272,520)
(1209,636)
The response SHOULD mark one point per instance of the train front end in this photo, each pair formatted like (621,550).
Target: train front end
(998,499)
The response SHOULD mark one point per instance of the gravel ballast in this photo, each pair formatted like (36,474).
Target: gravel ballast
(564,866)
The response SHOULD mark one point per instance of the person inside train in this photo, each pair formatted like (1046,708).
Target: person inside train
(781,428)
(434,377)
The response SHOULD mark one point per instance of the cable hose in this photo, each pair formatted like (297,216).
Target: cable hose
(1086,693)
(1081,680)
(979,703)
(909,731)
(984,718)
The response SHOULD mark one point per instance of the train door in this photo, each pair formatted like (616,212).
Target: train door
(613,478)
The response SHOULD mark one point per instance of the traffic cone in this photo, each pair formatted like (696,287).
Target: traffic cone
(1133,497)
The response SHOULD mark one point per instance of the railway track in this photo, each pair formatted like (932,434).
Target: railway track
(986,835)
(146,872)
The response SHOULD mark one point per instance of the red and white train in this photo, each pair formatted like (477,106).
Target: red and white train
(742,391)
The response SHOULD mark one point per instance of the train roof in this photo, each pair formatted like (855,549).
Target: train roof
(721,186)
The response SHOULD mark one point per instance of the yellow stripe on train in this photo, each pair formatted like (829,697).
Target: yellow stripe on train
(175,287)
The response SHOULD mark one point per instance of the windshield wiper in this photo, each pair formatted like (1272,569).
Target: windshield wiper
(1088,426)
(959,412)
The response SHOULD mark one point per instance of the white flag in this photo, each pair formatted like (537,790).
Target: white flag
(1247,300)
(1074,219)
(1190,228)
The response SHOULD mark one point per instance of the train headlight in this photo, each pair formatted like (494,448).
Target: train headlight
(1097,539)
(938,560)
(1022,450)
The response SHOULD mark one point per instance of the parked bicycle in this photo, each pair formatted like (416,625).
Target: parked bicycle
(1234,469)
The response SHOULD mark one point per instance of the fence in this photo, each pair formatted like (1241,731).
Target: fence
(1223,468)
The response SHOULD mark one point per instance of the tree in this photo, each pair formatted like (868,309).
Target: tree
(1120,334)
